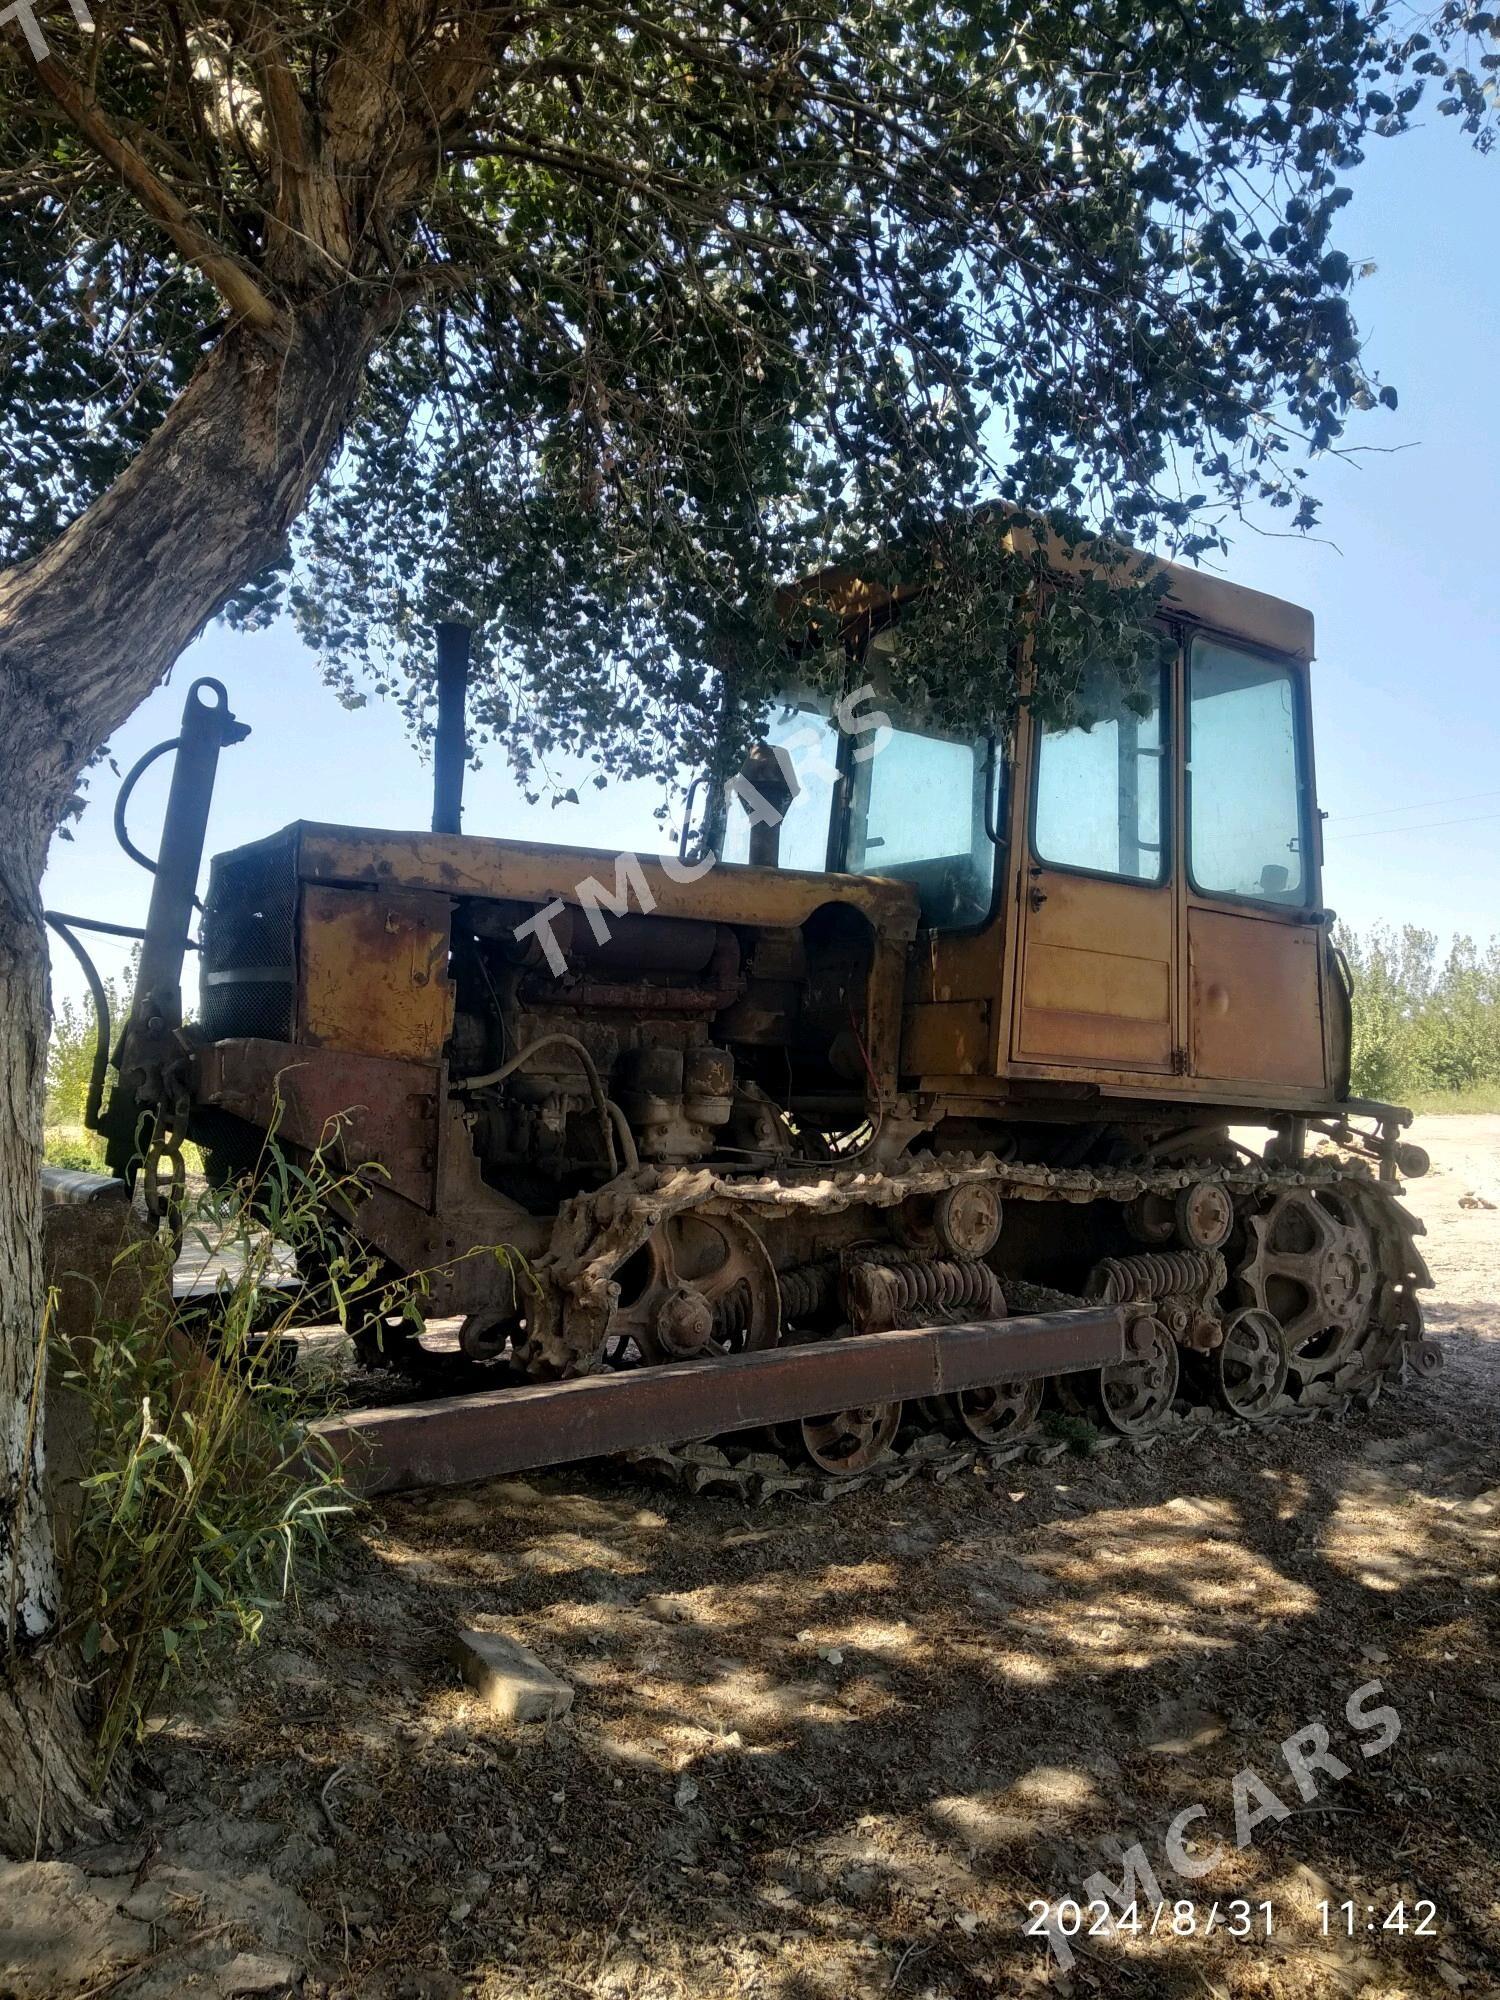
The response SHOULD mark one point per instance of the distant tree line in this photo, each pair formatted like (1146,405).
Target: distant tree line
(1422,1023)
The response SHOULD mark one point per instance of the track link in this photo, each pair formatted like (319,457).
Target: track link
(1296,1223)
(756,1474)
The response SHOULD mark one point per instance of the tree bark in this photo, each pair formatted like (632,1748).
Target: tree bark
(87,629)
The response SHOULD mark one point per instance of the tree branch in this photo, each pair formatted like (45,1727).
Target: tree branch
(286,114)
(226,274)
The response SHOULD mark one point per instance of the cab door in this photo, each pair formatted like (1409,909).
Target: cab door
(1095,987)
(1251,892)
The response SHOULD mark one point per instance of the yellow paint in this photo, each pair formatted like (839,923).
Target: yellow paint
(1096,973)
(531,872)
(373,972)
(951,1039)
(1255,998)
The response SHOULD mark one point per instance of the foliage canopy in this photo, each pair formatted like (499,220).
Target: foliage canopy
(676,301)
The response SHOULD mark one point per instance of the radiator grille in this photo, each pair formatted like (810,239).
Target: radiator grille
(249,970)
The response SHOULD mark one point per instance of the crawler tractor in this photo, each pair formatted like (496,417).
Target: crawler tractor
(930,1096)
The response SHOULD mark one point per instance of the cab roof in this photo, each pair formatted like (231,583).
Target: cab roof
(853,591)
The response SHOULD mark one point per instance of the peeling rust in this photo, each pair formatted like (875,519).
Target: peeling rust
(463,1438)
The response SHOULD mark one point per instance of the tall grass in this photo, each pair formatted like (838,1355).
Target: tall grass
(1477,1099)
(199,1501)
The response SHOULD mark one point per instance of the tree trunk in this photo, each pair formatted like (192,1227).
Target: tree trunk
(87,629)
(43,1797)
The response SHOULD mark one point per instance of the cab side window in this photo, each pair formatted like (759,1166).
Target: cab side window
(917,814)
(1246,813)
(1100,785)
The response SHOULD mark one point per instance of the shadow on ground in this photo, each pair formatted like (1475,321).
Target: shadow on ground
(837,1750)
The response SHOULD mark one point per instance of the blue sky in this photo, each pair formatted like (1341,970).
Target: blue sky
(1405,588)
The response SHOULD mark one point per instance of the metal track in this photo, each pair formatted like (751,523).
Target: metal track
(647,1413)
(757,1473)
(597,1232)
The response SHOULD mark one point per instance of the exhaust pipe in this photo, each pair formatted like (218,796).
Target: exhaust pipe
(450,745)
(768,777)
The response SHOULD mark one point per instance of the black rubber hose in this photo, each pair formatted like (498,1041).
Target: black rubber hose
(95,1100)
(122,800)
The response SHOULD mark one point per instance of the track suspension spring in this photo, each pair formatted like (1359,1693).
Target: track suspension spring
(879,1296)
(1158,1274)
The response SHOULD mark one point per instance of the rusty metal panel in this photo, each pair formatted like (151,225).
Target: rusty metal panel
(1192,593)
(949,1038)
(1254,999)
(454,1439)
(883,1009)
(383,1111)
(534,872)
(959,965)
(372,972)
(1222,606)
(529,872)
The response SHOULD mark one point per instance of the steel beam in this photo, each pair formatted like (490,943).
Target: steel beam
(148,1045)
(455,1439)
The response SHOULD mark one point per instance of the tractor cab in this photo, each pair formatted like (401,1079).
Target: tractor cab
(1129,904)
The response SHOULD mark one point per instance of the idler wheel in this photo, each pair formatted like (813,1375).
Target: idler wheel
(684,1323)
(968,1219)
(1249,1367)
(992,1416)
(708,1288)
(1204,1214)
(848,1441)
(1136,1393)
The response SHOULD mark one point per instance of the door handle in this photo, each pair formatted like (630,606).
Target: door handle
(1036,897)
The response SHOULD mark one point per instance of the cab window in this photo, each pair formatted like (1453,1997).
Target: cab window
(1100,785)
(812,741)
(1246,833)
(917,813)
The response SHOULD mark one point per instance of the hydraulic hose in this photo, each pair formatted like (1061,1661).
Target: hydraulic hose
(122,800)
(95,1100)
(602,1104)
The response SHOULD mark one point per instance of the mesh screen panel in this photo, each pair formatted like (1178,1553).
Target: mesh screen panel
(249,943)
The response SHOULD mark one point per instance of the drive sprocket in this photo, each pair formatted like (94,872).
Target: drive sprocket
(1312,1264)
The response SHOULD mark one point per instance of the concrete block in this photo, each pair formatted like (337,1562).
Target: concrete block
(104,1263)
(509,1678)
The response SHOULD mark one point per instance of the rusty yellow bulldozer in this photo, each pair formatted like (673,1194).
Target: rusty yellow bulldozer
(952,1075)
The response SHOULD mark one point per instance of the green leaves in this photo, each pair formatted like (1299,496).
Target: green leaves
(1422,1025)
(697,301)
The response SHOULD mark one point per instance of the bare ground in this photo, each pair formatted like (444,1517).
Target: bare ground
(828,1752)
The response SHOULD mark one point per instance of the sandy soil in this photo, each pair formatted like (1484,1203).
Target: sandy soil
(835,1751)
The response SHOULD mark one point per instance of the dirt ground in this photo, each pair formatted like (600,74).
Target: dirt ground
(831,1752)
